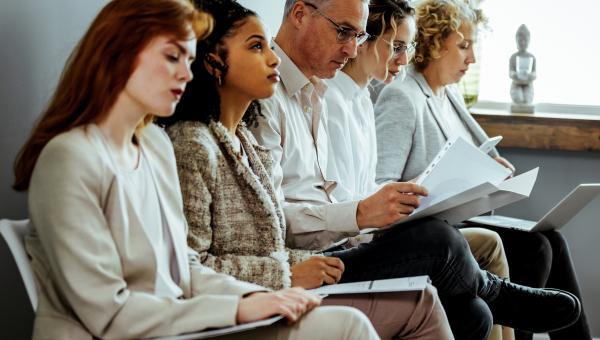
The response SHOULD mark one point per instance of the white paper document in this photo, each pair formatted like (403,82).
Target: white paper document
(556,218)
(223,331)
(403,284)
(458,167)
(509,191)
(464,182)
(490,144)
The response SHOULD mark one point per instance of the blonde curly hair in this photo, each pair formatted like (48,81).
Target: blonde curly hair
(436,20)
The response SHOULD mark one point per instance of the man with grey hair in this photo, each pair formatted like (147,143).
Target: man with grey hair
(315,40)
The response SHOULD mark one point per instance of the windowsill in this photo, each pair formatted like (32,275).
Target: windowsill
(542,131)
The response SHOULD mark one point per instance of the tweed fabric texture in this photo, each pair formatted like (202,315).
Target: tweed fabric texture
(236,223)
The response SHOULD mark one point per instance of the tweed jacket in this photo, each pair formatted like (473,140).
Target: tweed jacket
(236,222)
(409,127)
(94,266)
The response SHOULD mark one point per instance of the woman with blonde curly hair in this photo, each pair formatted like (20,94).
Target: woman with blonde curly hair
(415,117)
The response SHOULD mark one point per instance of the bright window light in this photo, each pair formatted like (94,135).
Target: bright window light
(564,40)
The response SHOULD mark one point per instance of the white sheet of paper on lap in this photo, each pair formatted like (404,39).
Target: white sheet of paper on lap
(463,182)
(404,284)
(223,331)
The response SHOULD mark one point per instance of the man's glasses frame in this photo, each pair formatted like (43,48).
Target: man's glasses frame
(344,34)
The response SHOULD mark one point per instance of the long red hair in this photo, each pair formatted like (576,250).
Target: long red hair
(99,67)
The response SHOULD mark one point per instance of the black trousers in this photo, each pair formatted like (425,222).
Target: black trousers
(543,260)
(434,248)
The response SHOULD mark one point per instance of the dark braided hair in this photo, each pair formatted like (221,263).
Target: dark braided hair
(201,101)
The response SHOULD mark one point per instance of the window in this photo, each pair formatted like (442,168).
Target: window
(564,40)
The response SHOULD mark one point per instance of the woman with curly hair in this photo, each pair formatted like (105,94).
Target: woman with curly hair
(236,220)
(351,122)
(415,118)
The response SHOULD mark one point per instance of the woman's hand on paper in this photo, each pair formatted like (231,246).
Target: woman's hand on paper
(292,303)
(392,203)
(317,271)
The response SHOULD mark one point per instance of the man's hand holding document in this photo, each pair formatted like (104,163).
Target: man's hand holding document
(463,182)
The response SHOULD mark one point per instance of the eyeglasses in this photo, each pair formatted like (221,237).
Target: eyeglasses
(401,47)
(344,34)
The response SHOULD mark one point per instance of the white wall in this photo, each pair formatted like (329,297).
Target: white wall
(271,11)
(36,38)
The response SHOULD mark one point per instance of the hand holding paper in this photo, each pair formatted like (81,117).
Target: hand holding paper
(392,203)
(464,182)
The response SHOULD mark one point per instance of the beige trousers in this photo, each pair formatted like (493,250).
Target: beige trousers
(401,315)
(486,246)
(323,323)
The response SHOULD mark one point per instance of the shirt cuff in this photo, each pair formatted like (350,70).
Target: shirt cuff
(341,217)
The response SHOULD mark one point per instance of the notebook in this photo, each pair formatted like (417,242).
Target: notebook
(556,218)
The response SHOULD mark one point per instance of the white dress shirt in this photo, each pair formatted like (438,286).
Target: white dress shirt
(294,129)
(352,139)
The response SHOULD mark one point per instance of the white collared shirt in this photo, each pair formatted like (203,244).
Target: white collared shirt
(352,139)
(294,129)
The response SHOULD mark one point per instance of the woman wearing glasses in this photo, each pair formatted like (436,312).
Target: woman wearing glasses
(351,121)
(415,117)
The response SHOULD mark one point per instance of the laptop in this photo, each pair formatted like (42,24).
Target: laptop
(555,219)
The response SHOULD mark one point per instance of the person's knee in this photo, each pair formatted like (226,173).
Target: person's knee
(483,320)
(489,251)
(430,303)
(470,318)
(444,235)
(339,322)
(557,241)
(541,248)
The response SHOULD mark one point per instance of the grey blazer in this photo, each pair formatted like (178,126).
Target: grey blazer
(410,130)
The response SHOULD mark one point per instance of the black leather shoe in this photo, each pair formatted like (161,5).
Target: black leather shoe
(534,310)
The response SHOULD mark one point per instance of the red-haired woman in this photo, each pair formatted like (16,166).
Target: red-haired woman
(109,245)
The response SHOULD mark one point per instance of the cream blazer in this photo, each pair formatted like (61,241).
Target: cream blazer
(94,266)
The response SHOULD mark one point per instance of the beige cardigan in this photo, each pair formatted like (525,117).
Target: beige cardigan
(93,263)
(236,222)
